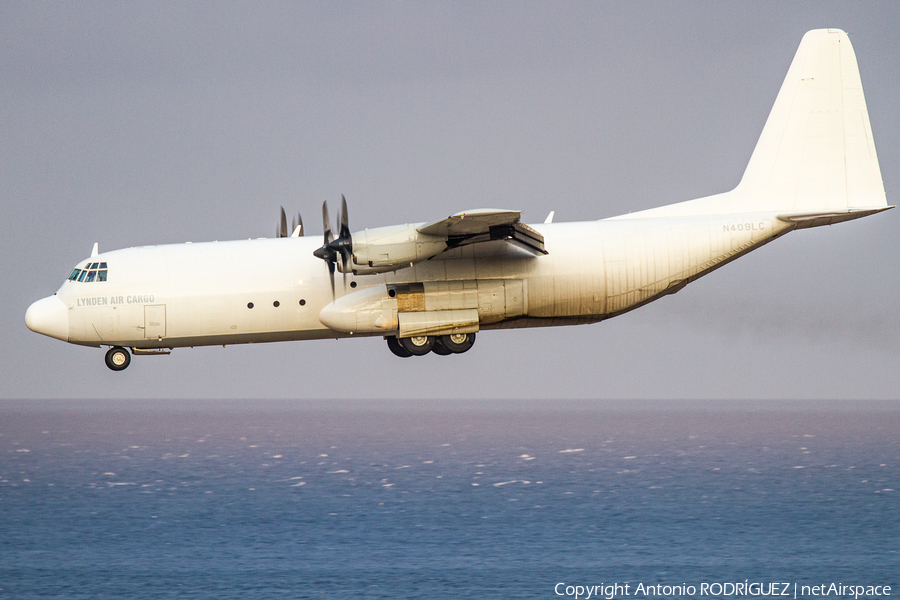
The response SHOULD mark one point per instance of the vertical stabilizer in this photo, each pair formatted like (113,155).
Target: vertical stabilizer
(816,152)
(815,162)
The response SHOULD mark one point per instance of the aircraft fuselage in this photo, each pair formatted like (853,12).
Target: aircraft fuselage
(264,290)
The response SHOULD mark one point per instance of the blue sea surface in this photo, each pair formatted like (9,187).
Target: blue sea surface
(198,502)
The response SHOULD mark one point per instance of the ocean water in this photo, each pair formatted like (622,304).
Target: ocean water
(362,502)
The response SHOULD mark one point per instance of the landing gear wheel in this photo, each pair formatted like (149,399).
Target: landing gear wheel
(118,358)
(396,348)
(419,345)
(457,343)
(440,348)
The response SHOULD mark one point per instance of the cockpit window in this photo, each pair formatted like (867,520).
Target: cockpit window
(90,273)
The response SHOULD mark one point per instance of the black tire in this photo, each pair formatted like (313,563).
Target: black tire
(457,343)
(419,345)
(398,350)
(440,348)
(118,358)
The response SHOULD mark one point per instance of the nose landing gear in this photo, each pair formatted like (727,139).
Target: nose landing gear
(118,358)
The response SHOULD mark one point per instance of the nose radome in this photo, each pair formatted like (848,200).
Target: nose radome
(49,316)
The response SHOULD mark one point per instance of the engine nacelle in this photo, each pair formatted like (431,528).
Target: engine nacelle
(372,310)
(385,249)
(429,308)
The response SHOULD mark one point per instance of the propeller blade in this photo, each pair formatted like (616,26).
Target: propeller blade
(282,231)
(345,228)
(300,225)
(343,245)
(331,277)
(332,248)
(326,224)
(326,252)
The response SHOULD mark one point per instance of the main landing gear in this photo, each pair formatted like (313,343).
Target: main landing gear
(118,358)
(421,345)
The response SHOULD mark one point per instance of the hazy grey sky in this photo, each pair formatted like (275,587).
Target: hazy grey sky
(128,124)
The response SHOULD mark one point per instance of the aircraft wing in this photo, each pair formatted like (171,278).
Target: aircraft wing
(385,249)
(484,225)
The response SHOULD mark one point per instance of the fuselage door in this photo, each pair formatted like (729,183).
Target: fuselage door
(155,321)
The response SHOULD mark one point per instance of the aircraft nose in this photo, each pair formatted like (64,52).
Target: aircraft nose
(49,316)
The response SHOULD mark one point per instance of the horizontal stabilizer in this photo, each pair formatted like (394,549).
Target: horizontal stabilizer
(804,220)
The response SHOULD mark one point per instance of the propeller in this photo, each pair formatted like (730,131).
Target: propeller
(332,248)
(282,231)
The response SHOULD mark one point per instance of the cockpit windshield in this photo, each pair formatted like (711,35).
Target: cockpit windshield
(90,273)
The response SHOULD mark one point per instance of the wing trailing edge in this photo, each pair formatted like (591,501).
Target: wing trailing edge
(485,225)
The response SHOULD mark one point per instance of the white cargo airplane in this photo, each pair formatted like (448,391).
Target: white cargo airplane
(431,286)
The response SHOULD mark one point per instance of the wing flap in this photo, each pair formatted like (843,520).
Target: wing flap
(485,225)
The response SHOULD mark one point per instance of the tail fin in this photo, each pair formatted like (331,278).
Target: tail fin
(816,152)
(815,162)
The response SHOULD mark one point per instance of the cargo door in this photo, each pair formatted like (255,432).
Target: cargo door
(155,321)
